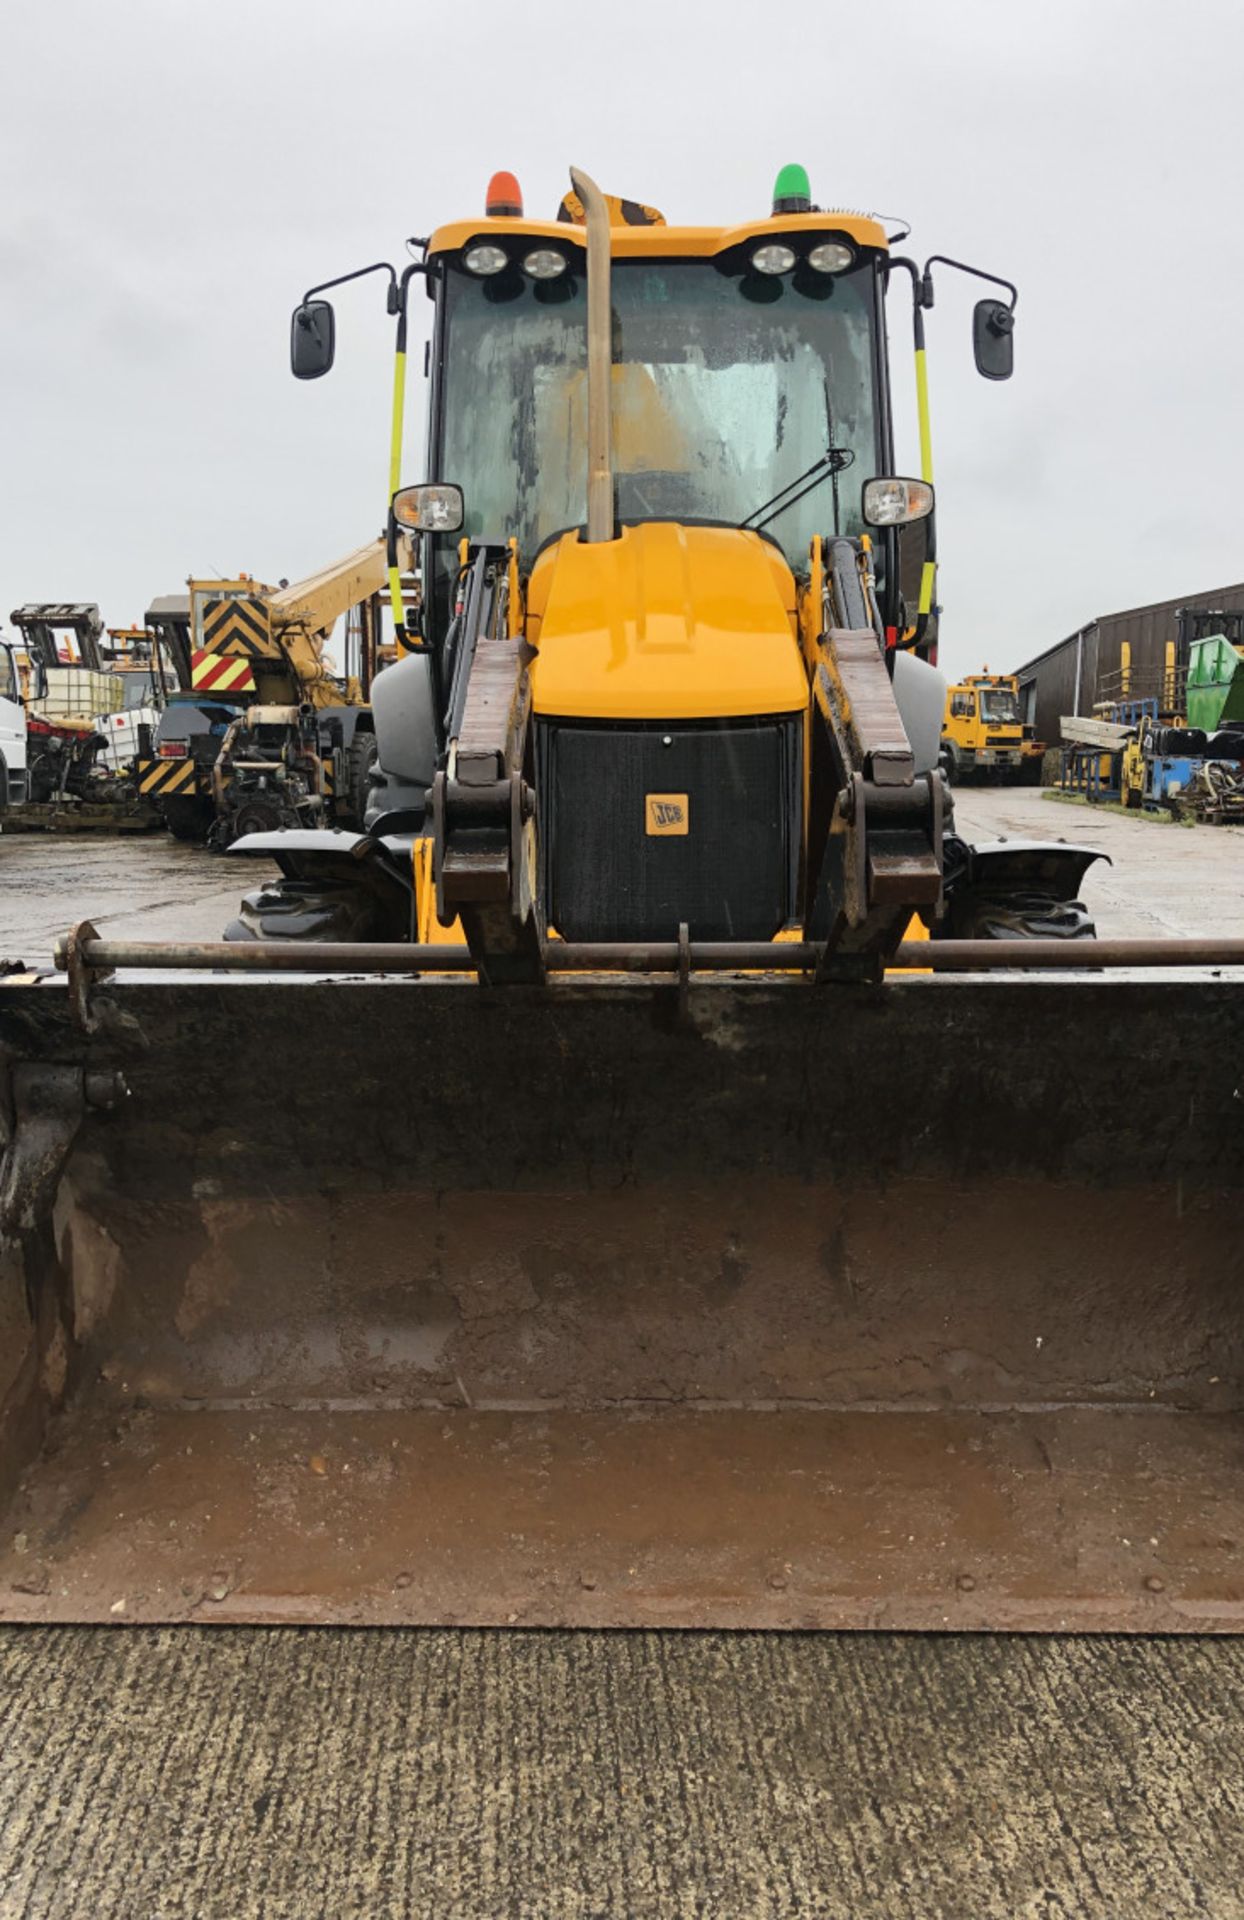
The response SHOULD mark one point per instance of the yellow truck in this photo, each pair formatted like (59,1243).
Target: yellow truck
(982,733)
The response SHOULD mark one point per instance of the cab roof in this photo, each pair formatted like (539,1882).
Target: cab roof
(663,242)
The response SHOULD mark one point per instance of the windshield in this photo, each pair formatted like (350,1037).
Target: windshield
(1000,706)
(138,690)
(727,386)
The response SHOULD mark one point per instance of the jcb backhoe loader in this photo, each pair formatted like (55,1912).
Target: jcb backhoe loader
(615,1211)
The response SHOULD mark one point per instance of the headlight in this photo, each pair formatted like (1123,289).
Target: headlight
(544,263)
(485,258)
(831,256)
(773,258)
(893,503)
(435,507)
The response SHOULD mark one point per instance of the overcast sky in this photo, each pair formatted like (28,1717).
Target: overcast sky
(175,173)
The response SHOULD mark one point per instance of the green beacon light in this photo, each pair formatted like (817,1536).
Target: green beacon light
(791,191)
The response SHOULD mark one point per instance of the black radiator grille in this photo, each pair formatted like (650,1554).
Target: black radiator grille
(644,827)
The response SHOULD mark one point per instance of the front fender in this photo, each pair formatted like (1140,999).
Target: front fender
(1015,890)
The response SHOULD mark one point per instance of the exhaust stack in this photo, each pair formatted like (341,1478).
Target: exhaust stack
(600,521)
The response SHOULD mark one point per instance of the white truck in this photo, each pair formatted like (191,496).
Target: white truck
(13,774)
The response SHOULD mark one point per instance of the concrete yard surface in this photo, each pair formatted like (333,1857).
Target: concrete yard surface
(140,887)
(1164,879)
(200,1774)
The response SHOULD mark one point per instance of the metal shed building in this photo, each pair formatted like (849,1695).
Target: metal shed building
(1070,676)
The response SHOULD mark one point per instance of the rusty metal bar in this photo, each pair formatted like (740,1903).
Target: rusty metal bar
(935,956)
(268,956)
(1067,956)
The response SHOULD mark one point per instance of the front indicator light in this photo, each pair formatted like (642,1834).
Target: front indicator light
(831,256)
(772,258)
(895,503)
(485,259)
(544,263)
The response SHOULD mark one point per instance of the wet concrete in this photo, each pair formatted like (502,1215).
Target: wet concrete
(146,887)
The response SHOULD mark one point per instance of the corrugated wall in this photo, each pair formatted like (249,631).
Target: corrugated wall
(1149,628)
(1048,682)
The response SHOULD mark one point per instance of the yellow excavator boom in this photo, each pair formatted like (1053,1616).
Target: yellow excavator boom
(282,631)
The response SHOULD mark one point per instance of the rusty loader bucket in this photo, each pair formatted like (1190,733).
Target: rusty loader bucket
(735,1303)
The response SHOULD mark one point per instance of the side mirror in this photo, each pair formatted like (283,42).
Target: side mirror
(993,339)
(312,339)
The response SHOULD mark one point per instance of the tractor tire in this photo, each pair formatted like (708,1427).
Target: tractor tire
(188,819)
(361,758)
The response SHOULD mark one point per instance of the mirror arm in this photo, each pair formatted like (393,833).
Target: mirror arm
(360,273)
(960,266)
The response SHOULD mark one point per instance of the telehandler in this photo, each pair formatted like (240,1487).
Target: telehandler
(595,1194)
(261,735)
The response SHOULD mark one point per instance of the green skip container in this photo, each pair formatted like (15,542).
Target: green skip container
(1215,684)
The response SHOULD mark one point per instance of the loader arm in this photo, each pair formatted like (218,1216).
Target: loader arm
(482,803)
(877,858)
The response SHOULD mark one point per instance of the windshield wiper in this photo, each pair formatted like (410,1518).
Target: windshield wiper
(835,461)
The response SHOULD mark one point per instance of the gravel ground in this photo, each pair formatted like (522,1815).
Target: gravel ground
(221,1774)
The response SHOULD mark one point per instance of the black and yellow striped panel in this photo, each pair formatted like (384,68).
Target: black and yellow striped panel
(328,784)
(238,627)
(164,777)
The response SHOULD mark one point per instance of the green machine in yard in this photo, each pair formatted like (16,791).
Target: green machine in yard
(1216,684)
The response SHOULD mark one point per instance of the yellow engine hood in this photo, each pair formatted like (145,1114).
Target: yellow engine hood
(664,623)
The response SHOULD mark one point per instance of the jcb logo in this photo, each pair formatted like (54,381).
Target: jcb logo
(667,813)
